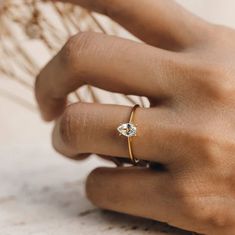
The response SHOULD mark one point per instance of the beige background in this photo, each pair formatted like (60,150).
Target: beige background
(41,192)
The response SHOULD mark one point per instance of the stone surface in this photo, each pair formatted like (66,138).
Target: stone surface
(127,129)
(43,194)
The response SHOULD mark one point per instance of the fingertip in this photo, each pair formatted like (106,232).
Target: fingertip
(93,184)
(45,117)
(52,109)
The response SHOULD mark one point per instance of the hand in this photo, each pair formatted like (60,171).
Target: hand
(187,70)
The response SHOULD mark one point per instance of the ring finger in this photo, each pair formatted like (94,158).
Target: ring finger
(92,128)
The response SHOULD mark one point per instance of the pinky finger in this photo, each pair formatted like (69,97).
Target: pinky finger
(135,191)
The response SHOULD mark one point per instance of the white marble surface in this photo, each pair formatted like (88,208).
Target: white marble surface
(42,193)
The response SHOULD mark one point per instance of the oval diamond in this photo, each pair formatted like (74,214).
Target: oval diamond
(127,129)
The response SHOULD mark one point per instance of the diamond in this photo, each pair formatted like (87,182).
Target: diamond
(127,129)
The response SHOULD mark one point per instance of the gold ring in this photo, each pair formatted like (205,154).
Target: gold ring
(129,130)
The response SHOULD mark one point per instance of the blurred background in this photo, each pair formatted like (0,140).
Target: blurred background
(41,192)
(22,125)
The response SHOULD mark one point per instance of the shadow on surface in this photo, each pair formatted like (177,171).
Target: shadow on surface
(126,223)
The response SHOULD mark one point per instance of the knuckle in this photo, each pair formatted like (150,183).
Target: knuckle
(112,8)
(66,131)
(186,193)
(217,218)
(201,143)
(209,147)
(201,206)
(211,215)
(214,79)
(198,208)
(74,128)
(71,126)
(74,48)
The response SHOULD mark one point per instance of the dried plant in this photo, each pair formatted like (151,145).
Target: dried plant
(29,26)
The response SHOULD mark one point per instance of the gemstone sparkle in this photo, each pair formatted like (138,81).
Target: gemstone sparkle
(127,129)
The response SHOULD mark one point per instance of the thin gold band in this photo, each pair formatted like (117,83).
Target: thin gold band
(129,139)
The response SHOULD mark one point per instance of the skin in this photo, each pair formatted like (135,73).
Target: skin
(186,68)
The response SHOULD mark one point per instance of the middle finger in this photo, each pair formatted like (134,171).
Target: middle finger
(110,63)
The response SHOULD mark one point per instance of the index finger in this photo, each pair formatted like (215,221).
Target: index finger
(161,23)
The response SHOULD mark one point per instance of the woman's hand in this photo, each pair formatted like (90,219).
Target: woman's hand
(187,70)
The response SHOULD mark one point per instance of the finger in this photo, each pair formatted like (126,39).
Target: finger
(92,128)
(80,157)
(162,23)
(139,192)
(106,62)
